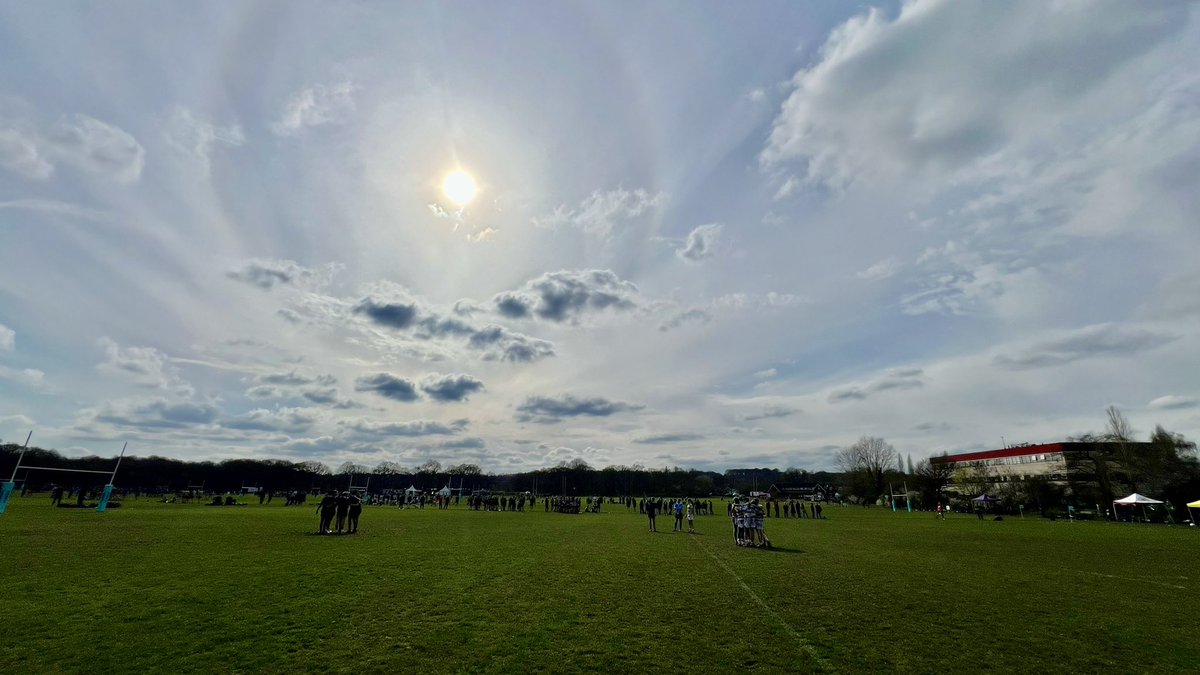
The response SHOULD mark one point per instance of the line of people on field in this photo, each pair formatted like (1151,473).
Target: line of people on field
(680,508)
(343,507)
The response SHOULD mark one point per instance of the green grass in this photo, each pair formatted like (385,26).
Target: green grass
(188,588)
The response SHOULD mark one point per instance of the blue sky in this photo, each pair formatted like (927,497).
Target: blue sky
(705,234)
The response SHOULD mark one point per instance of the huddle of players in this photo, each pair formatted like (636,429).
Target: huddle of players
(747,518)
(344,507)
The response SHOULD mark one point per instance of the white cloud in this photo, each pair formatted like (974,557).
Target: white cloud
(1090,341)
(197,136)
(17,421)
(19,152)
(144,366)
(700,244)
(25,376)
(946,83)
(316,105)
(98,147)
(1172,402)
(8,339)
(881,270)
(600,212)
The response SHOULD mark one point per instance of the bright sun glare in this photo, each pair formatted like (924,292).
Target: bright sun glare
(459,187)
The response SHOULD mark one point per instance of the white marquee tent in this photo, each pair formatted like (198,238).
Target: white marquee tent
(1135,500)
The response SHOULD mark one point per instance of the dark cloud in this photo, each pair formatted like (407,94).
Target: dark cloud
(771,413)
(1098,340)
(159,413)
(408,429)
(669,438)
(566,295)
(513,306)
(289,420)
(267,274)
(391,314)
(462,444)
(388,385)
(450,387)
(909,378)
(545,410)
(494,342)
(684,317)
(500,344)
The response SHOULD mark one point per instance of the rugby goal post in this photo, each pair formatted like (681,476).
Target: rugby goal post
(6,489)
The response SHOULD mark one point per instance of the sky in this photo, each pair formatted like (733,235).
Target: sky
(703,234)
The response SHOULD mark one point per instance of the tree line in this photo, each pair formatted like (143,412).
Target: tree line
(578,478)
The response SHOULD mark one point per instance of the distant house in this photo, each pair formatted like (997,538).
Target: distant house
(813,492)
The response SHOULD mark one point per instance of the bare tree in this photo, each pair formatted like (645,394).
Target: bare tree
(431,466)
(865,464)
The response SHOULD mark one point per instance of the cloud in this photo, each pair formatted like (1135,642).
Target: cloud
(295,379)
(25,376)
(284,420)
(600,212)
(144,366)
(946,83)
(1091,341)
(450,387)
(546,410)
(766,374)
(17,420)
(908,378)
(407,429)
(8,339)
(500,344)
(388,386)
(264,392)
(568,295)
(392,315)
(1172,402)
(690,315)
(97,147)
(669,438)
(196,136)
(155,413)
(700,244)
(391,308)
(19,153)
(316,105)
(773,412)
(267,273)
(881,270)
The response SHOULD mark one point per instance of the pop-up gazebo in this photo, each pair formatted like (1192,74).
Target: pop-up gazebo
(1135,500)
(1193,505)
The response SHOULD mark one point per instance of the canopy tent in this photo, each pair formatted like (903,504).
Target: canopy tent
(411,490)
(985,499)
(444,492)
(1193,505)
(1135,500)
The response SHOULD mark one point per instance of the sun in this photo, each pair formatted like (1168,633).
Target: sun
(459,187)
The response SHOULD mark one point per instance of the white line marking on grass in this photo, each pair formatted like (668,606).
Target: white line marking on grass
(1145,581)
(804,644)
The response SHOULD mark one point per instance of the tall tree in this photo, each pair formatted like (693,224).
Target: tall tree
(866,464)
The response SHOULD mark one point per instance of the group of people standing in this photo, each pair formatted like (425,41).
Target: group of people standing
(680,508)
(344,507)
(748,529)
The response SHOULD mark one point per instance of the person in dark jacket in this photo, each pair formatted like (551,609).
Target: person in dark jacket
(327,508)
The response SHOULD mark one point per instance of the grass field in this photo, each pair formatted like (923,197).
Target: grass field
(187,588)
